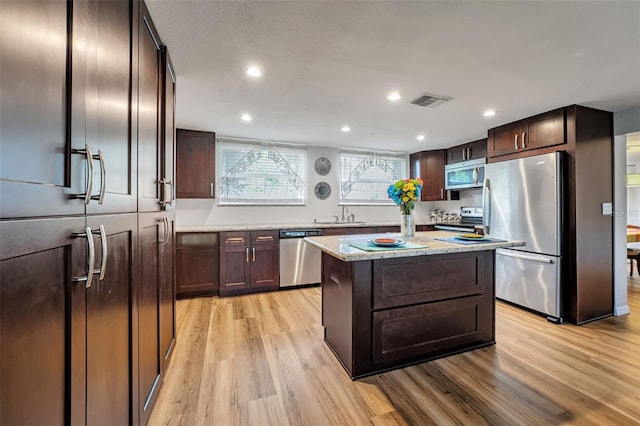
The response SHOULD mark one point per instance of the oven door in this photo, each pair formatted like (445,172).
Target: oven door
(469,174)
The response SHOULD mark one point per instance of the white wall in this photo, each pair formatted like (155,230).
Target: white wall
(206,212)
(624,122)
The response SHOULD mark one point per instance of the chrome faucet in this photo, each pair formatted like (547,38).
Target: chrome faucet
(345,212)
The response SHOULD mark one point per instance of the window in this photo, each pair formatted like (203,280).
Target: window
(251,172)
(365,176)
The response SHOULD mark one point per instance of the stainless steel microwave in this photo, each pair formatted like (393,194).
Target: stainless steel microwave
(465,175)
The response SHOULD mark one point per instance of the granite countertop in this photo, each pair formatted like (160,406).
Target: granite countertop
(338,246)
(277,226)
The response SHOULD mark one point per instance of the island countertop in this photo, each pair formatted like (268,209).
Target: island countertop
(340,248)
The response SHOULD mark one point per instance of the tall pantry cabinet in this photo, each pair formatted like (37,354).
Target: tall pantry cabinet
(86,292)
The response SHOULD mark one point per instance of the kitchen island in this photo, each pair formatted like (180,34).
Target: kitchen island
(387,309)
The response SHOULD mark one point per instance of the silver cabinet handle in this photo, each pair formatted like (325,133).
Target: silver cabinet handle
(516,140)
(166,229)
(486,206)
(476,175)
(524,257)
(442,193)
(524,134)
(170,185)
(164,232)
(247,255)
(254,254)
(464,154)
(469,153)
(89,155)
(91,258)
(103,260)
(103,177)
(211,189)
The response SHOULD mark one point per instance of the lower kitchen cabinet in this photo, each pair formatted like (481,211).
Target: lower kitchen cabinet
(156,329)
(66,341)
(198,264)
(249,262)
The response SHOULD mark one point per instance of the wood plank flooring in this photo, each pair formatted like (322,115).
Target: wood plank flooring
(260,360)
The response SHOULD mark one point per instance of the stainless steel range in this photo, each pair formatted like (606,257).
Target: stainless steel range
(470,220)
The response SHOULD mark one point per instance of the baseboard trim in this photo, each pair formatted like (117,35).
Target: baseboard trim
(621,310)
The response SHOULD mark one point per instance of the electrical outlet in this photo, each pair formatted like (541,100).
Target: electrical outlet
(607,209)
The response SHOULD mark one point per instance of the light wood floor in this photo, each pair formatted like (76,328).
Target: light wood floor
(260,360)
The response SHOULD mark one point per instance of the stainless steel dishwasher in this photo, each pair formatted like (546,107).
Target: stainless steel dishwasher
(299,261)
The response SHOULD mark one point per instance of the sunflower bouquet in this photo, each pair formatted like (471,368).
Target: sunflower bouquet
(405,193)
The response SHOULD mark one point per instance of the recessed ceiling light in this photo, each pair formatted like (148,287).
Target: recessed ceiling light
(346,129)
(245,117)
(254,72)
(489,113)
(420,137)
(394,96)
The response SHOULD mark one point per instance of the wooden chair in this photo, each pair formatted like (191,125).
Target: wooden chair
(633,255)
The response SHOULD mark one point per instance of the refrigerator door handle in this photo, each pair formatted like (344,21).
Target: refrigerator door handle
(486,206)
(525,257)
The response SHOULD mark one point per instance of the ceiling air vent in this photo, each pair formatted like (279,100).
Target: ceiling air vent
(430,100)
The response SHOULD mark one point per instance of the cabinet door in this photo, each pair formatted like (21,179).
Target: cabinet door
(365,230)
(42,322)
(235,269)
(167,289)
(151,234)
(504,140)
(477,149)
(149,155)
(432,168)
(334,231)
(195,164)
(102,87)
(39,175)
(109,317)
(265,263)
(168,133)
(456,154)
(197,263)
(543,130)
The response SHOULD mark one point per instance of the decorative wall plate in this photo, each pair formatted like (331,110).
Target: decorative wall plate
(322,166)
(322,190)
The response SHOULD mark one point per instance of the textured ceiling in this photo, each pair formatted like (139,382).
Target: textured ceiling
(331,63)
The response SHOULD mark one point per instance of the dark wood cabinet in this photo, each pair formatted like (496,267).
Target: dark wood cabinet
(67,342)
(39,175)
(195,164)
(168,147)
(540,131)
(429,165)
(167,290)
(249,261)
(468,151)
(149,69)
(198,264)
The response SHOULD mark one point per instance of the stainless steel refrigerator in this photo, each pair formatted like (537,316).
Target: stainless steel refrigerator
(522,200)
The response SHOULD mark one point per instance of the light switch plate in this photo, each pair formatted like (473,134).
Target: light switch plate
(607,209)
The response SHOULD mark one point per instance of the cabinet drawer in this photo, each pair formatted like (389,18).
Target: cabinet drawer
(443,277)
(235,238)
(362,230)
(431,329)
(265,237)
(334,231)
(384,229)
(197,240)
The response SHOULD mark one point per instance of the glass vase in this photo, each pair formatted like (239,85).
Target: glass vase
(407,226)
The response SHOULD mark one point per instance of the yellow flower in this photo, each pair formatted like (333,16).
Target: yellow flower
(411,195)
(405,199)
(408,187)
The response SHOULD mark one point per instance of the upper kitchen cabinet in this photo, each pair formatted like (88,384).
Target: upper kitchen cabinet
(147,66)
(66,117)
(195,164)
(39,175)
(168,147)
(429,165)
(101,102)
(540,131)
(468,151)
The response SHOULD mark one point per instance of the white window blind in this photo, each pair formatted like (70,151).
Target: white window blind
(250,172)
(365,177)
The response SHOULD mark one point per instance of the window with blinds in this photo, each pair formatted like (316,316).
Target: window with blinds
(250,172)
(365,176)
